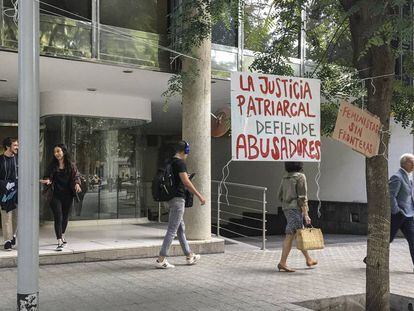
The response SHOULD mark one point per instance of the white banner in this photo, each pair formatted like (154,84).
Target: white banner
(275,118)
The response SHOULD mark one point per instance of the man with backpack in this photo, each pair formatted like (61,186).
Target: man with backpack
(170,185)
(8,191)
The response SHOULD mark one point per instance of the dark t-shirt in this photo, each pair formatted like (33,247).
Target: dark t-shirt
(8,168)
(62,183)
(8,174)
(179,166)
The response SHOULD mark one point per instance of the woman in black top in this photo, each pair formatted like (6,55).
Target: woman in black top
(63,178)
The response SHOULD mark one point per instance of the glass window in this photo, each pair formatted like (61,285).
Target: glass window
(79,9)
(224,34)
(108,154)
(7,3)
(256,32)
(224,31)
(143,15)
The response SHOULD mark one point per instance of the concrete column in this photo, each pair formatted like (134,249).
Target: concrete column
(196,130)
(1,22)
(28,107)
(95,29)
(304,21)
(240,35)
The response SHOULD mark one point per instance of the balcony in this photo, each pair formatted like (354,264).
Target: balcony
(67,38)
(72,39)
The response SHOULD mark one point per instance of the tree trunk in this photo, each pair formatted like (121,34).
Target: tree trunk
(378,61)
(379,211)
(196,130)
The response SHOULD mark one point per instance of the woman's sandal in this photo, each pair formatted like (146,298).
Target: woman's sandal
(284,269)
(311,263)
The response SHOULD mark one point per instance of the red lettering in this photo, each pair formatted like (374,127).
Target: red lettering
(307,90)
(267,104)
(293,148)
(286,108)
(300,147)
(241,145)
(305,147)
(284,148)
(278,93)
(293,110)
(301,109)
(279,110)
(318,150)
(242,101)
(251,107)
(345,111)
(264,150)
(250,84)
(259,104)
(263,86)
(284,86)
(309,111)
(312,149)
(295,90)
(275,151)
(252,146)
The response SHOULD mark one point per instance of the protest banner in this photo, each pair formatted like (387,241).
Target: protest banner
(275,118)
(358,129)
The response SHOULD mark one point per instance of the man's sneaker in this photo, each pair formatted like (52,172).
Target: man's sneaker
(163,264)
(194,258)
(13,241)
(59,248)
(8,246)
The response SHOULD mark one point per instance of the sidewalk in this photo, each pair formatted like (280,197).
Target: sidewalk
(240,279)
(107,242)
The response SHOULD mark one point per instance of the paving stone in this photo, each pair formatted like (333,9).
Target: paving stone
(245,279)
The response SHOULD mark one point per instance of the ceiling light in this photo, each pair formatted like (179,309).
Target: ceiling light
(128,71)
(91,89)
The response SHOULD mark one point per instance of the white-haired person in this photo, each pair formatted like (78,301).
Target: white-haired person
(402,202)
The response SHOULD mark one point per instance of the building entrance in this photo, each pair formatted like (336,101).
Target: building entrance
(109,155)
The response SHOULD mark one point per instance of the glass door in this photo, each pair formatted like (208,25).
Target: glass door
(108,155)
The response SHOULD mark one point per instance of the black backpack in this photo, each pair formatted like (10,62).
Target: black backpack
(163,185)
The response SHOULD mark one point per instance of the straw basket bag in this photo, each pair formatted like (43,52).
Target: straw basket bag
(309,239)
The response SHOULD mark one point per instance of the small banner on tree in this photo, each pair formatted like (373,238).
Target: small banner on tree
(359,129)
(275,118)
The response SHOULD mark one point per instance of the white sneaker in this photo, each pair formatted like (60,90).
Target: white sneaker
(164,264)
(193,259)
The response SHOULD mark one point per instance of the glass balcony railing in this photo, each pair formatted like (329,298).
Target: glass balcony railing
(60,37)
(224,59)
(68,38)
(133,47)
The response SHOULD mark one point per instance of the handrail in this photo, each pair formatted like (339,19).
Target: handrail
(241,198)
(239,234)
(219,210)
(239,206)
(248,217)
(240,225)
(240,185)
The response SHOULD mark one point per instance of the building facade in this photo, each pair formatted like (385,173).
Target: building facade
(104,66)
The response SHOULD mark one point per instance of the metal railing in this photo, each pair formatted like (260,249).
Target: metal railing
(231,203)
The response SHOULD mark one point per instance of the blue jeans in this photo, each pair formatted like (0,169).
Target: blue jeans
(176,226)
(406,224)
